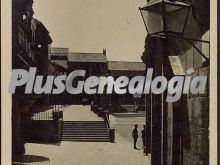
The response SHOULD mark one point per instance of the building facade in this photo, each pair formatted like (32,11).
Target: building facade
(95,64)
(126,102)
(180,131)
(30,43)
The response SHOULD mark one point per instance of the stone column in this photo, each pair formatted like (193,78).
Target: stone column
(154,57)
(17,130)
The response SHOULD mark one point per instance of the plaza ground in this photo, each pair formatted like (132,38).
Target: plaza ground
(91,153)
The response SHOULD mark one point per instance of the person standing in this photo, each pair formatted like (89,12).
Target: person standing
(135,107)
(135,135)
(143,136)
(92,104)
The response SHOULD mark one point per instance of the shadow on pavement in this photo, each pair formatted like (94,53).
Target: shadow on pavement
(45,143)
(26,159)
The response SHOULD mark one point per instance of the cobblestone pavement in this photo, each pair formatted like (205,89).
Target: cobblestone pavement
(88,153)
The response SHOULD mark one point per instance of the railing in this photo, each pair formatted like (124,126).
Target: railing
(110,130)
(107,121)
(47,115)
(104,113)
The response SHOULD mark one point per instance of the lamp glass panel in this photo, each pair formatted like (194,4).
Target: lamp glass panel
(154,6)
(153,21)
(172,7)
(175,20)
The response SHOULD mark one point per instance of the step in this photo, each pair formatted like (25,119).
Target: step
(98,125)
(65,126)
(85,133)
(78,137)
(85,128)
(92,126)
(85,136)
(75,128)
(91,129)
(86,140)
(83,125)
(84,121)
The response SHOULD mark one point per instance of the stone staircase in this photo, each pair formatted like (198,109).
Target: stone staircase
(85,131)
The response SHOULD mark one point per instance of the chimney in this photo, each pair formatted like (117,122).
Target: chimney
(104,52)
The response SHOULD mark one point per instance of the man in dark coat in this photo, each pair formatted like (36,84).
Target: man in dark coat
(135,135)
(143,136)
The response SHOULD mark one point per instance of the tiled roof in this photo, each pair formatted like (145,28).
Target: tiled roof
(87,57)
(59,51)
(126,66)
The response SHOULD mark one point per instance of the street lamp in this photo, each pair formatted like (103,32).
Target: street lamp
(167,18)
(158,16)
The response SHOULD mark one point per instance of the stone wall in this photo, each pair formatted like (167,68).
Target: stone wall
(196,146)
(194,127)
(46,131)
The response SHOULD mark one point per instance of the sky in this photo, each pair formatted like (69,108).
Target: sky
(92,25)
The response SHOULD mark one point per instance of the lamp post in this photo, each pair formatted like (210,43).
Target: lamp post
(159,16)
(164,19)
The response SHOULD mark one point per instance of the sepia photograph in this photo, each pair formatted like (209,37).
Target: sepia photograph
(108,82)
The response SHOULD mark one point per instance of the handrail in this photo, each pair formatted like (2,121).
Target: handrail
(107,121)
